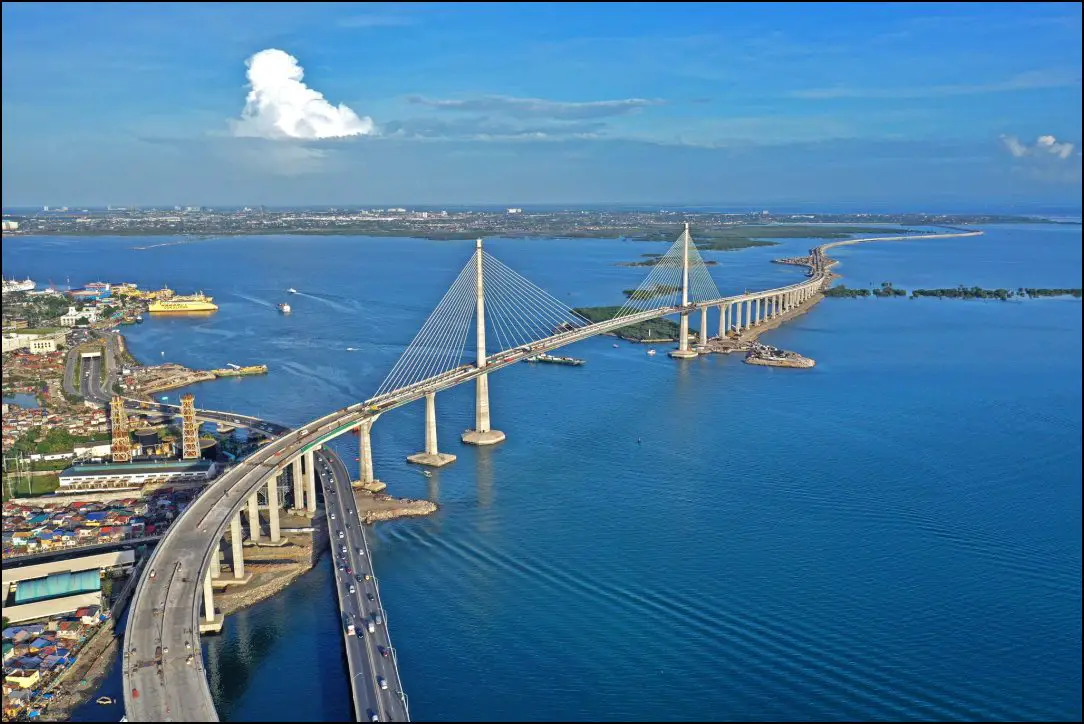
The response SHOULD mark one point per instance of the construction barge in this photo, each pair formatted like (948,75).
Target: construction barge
(554,360)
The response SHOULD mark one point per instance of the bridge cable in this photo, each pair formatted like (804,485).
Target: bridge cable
(661,287)
(518,313)
(426,351)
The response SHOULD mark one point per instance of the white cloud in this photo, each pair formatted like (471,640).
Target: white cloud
(280,106)
(1044,145)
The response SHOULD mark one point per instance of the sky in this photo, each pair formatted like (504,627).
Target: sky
(971,106)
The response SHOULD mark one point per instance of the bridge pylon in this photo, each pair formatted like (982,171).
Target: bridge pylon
(684,351)
(482,434)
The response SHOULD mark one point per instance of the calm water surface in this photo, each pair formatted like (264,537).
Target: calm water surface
(893,534)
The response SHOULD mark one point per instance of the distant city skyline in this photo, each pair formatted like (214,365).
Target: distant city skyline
(898,107)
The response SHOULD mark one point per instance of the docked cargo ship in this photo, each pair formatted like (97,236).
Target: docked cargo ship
(554,360)
(190,303)
(232,370)
(26,285)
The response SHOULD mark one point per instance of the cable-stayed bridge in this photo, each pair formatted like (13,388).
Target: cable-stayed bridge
(523,320)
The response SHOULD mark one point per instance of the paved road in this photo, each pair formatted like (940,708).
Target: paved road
(370,655)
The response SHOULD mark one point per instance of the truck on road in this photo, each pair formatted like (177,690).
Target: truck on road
(348,625)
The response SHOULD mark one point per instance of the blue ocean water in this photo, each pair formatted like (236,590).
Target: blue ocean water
(895,534)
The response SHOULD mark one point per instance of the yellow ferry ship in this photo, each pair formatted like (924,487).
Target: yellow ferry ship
(190,303)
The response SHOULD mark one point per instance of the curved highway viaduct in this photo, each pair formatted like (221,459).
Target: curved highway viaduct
(165,611)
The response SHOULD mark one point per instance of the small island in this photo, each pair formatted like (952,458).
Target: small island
(652,292)
(653,260)
(654,330)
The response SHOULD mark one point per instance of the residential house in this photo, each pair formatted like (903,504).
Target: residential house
(23,678)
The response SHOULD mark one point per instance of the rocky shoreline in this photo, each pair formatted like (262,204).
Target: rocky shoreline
(373,506)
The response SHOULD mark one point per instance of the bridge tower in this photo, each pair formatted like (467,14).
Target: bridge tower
(189,428)
(121,442)
(683,351)
(482,434)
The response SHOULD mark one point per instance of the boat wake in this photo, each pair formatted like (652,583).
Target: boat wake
(254,300)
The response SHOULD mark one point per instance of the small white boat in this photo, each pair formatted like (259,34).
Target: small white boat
(427,474)
(285,308)
(291,290)
(616,346)
(351,349)
(104,700)
(651,353)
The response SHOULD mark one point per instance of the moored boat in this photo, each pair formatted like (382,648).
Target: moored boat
(551,359)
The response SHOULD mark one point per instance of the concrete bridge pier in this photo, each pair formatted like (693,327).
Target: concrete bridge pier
(482,434)
(211,622)
(238,559)
(310,467)
(299,484)
(216,560)
(273,509)
(254,518)
(208,598)
(365,453)
(702,342)
(432,456)
(724,315)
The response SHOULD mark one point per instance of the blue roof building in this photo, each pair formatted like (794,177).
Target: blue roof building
(58,585)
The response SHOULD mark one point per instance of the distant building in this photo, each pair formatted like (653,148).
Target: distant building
(21,340)
(17,324)
(72,316)
(22,678)
(10,225)
(92,450)
(42,345)
(515,211)
(56,594)
(111,476)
